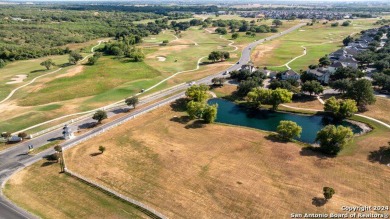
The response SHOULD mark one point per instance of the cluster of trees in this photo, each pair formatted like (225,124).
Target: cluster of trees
(218,55)
(45,32)
(247,80)
(382,80)
(122,49)
(340,109)
(258,96)
(197,107)
(289,84)
(360,91)
(218,81)
(243,26)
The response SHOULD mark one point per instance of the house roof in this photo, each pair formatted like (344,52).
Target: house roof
(337,65)
(290,72)
(318,71)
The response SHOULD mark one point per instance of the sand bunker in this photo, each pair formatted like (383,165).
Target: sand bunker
(17,79)
(161,58)
(301,30)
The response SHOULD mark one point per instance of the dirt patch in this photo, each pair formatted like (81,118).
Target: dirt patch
(17,79)
(261,52)
(72,72)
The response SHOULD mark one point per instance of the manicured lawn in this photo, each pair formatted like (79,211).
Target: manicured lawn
(162,154)
(31,68)
(319,40)
(43,191)
(107,74)
(183,54)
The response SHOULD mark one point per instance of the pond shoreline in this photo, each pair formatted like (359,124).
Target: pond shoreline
(365,127)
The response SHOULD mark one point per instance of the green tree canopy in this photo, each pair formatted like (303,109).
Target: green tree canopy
(340,108)
(197,93)
(99,115)
(258,96)
(132,101)
(362,92)
(312,87)
(328,192)
(332,139)
(288,130)
(48,63)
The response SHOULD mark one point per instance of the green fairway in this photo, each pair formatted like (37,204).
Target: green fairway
(183,54)
(30,68)
(108,73)
(319,40)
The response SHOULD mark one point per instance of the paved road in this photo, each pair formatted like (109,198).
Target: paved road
(15,158)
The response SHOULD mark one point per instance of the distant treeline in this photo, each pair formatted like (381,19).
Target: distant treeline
(158,9)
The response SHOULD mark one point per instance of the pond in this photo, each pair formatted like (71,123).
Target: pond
(231,113)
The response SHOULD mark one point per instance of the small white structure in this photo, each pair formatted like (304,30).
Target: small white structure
(67,132)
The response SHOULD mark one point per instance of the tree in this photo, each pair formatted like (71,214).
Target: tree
(132,101)
(346,23)
(288,130)
(74,57)
(58,148)
(195,109)
(258,96)
(362,92)
(235,36)
(332,139)
(218,81)
(336,24)
(340,109)
(348,72)
(324,61)
(102,149)
(312,87)
(328,193)
(347,40)
(48,63)
(210,113)
(279,96)
(244,87)
(22,135)
(277,22)
(215,55)
(99,115)
(197,93)
(341,85)
(221,30)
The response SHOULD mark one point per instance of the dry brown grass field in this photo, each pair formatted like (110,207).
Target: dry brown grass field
(188,170)
(379,109)
(43,191)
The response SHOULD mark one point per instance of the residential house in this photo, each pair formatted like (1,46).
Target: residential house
(322,74)
(334,66)
(290,74)
(349,61)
